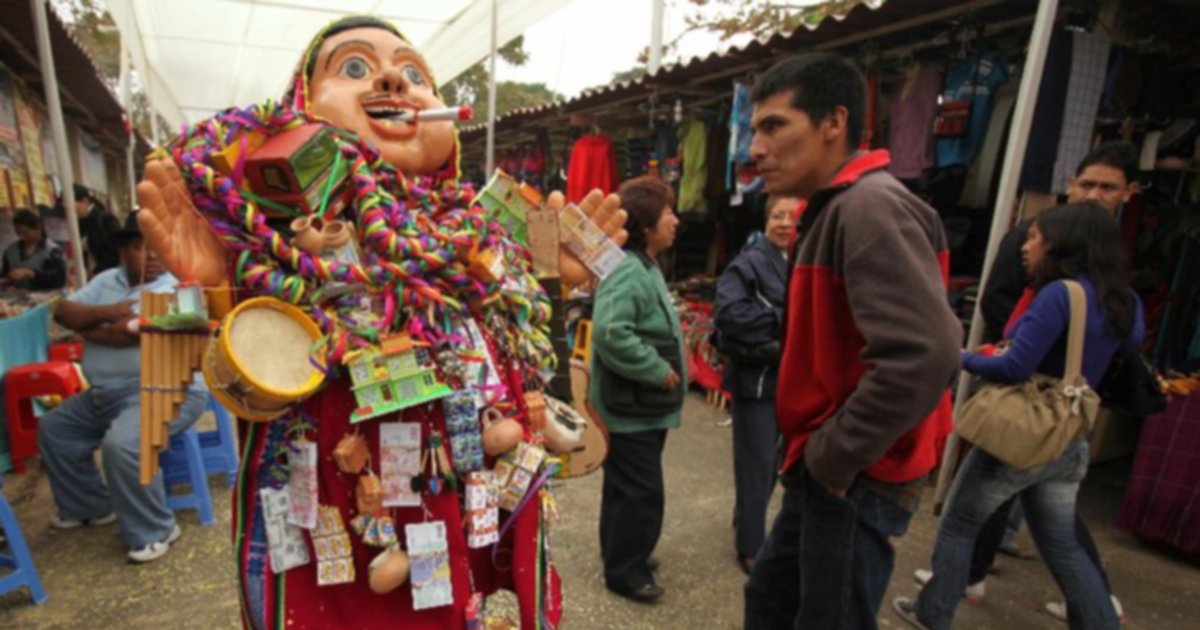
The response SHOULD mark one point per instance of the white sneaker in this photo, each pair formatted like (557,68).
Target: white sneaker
(1058,610)
(154,551)
(973,593)
(58,522)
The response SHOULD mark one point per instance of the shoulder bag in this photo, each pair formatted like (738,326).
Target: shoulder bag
(1031,423)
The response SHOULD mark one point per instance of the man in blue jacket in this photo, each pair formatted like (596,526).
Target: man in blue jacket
(749,314)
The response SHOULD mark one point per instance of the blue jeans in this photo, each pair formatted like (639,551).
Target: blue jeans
(108,417)
(1048,494)
(827,561)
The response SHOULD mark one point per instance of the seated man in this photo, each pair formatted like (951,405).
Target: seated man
(107,416)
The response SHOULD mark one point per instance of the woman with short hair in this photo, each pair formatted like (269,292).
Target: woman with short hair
(637,386)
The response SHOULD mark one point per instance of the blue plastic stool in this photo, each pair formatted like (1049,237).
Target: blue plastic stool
(17,556)
(183,462)
(220,447)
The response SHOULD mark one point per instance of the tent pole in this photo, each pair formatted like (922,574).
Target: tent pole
(656,38)
(59,129)
(127,101)
(1014,159)
(491,126)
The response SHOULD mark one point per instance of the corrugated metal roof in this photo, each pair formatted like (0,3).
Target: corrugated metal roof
(851,25)
(88,102)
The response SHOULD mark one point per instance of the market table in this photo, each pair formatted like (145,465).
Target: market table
(23,339)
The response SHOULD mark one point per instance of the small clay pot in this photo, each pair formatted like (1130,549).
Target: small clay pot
(306,236)
(388,571)
(336,234)
(500,434)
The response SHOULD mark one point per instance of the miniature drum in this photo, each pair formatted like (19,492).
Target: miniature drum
(259,365)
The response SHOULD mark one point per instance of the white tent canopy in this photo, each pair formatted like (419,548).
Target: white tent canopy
(197,57)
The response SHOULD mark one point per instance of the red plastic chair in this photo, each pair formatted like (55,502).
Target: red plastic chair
(21,385)
(66,351)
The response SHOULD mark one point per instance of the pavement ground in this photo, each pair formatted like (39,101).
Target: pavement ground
(90,584)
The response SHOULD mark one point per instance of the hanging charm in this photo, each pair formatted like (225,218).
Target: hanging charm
(285,541)
(462,423)
(515,471)
(302,485)
(482,509)
(441,475)
(335,556)
(430,570)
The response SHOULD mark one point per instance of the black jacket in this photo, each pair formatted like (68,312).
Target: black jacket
(749,317)
(1005,283)
(97,228)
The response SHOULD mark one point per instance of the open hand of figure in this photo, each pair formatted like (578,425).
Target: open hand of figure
(174,228)
(605,212)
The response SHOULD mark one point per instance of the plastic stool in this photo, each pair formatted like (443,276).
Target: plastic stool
(17,558)
(23,383)
(220,447)
(66,351)
(182,462)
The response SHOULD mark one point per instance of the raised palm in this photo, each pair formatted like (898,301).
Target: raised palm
(174,228)
(605,212)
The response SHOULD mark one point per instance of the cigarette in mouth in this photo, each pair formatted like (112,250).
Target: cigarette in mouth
(462,112)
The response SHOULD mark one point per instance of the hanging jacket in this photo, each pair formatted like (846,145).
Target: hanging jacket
(593,165)
(870,343)
(748,314)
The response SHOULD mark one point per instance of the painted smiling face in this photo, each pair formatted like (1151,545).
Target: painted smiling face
(362,78)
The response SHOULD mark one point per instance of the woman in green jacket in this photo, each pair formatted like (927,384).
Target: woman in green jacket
(637,387)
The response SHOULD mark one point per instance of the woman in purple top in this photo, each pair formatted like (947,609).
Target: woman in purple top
(1080,242)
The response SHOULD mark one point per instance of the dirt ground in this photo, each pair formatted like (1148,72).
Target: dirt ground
(90,584)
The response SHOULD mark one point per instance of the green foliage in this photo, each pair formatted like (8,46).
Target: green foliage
(730,18)
(470,87)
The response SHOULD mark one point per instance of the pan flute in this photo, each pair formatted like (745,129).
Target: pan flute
(169,361)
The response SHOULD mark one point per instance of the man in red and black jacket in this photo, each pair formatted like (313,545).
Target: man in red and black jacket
(870,348)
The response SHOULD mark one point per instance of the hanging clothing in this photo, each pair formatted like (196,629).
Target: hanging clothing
(977,191)
(740,134)
(974,80)
(718,151)
(912,109)
(593,165)
(693,147)
(1042,151)
(1089,64)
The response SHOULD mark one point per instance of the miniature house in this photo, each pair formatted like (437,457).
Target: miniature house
(395,375)
(510,203)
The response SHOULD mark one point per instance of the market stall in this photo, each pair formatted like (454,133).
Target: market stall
(24,338)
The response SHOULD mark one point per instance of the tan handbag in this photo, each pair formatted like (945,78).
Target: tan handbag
(1031,423)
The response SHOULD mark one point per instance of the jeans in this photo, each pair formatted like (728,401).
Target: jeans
(755,434)
(827,561)
(631,507)
(108,417)
(995,534)
(1048,494)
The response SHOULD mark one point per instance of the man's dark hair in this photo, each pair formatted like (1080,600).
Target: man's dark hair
(644,199)
(819,83)
(1118,155)
(81,193)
